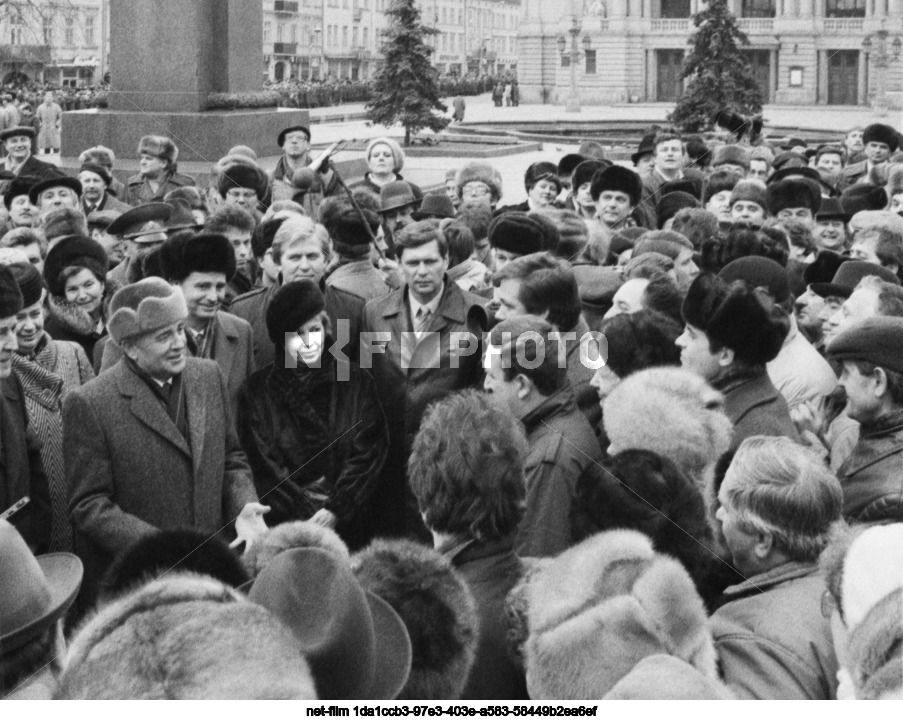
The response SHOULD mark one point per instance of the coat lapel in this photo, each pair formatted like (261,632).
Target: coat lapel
(197,414)
(147,409)
(224,345)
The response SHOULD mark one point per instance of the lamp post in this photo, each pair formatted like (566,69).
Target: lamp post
(882,54)
(573,101)
(319,42)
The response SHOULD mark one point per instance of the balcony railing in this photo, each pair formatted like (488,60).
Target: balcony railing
(843,25)
(282,6)
(761,25)
(669,25)
(285,48)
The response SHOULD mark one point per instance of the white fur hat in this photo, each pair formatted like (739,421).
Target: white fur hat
(144,307)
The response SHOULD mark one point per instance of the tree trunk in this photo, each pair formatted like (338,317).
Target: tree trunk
(407,136)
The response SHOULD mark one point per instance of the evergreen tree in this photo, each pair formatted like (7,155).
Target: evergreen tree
(406,87)
(720,77)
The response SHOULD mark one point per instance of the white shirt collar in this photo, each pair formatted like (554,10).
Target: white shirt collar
(432,306)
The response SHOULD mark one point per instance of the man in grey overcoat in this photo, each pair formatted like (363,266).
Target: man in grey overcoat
(151,444)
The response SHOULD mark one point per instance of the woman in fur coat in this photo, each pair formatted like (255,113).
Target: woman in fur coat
(75,276)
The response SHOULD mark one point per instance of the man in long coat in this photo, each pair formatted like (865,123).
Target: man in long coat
(151,444)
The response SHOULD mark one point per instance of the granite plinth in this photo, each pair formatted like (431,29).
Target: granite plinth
(200,136)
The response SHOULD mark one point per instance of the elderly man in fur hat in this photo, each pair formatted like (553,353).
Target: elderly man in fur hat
(776,506)
(150,444)
(616,191)
(158,171)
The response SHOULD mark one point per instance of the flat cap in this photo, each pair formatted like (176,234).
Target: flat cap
(875,340)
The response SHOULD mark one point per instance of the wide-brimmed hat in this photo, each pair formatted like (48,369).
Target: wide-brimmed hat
(646,147)
(54,181)
(143,220)
(36,591)
(394,195)
(435,205)
(356,644)
(848,276)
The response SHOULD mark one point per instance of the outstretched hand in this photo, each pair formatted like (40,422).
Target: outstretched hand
(250,526)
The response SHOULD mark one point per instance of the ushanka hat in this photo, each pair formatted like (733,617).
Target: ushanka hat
(750,191)
(292,306)
(10,296)
(143,307)
(617,178)
(159,146)
(242,175)
(731,154)
(482,173)
(584,172)
(184,254)
(880,133)
(793,193)
(517,232)
(863,196)
(671,203)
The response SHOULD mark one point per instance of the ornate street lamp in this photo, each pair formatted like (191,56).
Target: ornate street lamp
(573,101)
(882,54)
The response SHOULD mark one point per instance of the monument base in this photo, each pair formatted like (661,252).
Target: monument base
(201,137)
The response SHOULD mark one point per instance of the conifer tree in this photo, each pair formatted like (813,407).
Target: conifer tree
(719,75)
(406,87)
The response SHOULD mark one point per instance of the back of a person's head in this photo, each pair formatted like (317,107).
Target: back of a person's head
(527,345)
(890,296)
(460,241)
(695,224)
(572,231)
(662,295)
(230,217)
(641,340)
(547,285)
(477,218)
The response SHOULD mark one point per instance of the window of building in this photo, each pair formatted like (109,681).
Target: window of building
(565,60)
(294,33)
(267,32)
(15,28)
(590,62)
(674,9)
(70,31)
(48,30)
(845,8)
(354,36)
(758,9)
(345,36)
(89,29)
(279,33)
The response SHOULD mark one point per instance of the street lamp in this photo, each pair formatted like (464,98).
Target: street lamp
(876,46)
(319,41)
(573,101)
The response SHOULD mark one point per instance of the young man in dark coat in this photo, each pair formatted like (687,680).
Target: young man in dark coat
(150,444)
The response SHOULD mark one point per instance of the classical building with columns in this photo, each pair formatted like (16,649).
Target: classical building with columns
(803,52)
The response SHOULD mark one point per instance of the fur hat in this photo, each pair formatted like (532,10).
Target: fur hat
(569,162)
(70,251)
(719,181)
(731,154)
(11,301)
(551,234)
(397,152)
(690,186)
(294,534)
(159,553)
(730,121)
(160,147)
(673,413)
(541,170)
(737,317)
(517,232)
(184,254)
(880,133)
(482,173)
(863,196)
(584,172)
(185,636)
(793,193)
(28,278)
(344,224)
(823,268)
(436,607)
(666,242)
(601,608)
(144,307)
(292,306)
(240,175)
(62,222)
(20,185)
(98,155)
(669,204)
(751,191)
(875,650)
(617,178)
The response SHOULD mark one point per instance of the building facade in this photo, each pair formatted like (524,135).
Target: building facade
(802,52)
(54,41)
(339,39)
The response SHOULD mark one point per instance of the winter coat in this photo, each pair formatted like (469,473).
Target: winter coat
(771,638)
(799,372)
(49,116)
(491,570)
(872,475)
(21,470)
(66,321)
(580,375)
(755,408)
(56,369)
(299,426)
(138,190)
(282,188)
(131,471)
(108,202)
(368,184)
(562,444)
(359,278)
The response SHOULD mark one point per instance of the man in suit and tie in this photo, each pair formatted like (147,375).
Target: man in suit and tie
(422,342)
(19,160)
(150,444)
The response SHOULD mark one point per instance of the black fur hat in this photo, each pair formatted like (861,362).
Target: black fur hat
(618,178)
(292,306)
(737,317)
(240,175)
(70,251)
(184,254)
(863,196)
(584,172)
(732,121)
(793,193)
(344,224)
(541,170)
(880,133)
(517,232)
(172,550)
(437,609)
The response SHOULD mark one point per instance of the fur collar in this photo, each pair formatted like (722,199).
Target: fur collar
(70,316)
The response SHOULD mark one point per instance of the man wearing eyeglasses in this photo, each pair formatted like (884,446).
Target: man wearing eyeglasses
(295,144)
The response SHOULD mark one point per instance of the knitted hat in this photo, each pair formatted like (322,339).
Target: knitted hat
(669,204)
(98,170)
(601,608)
(143,307)
(584,172)
(793,193)
(397,152)
(617,178)
(243,176)
(54,181)
(720,180)
(483,173)
(20,185)
(541,170)
(243,150)
(759,272)
(184,254)
(877,340)
(879,133)
(751,191)
(733,154)
(737,317)
(292,306)
(437,609)
(159,146)
(672,412)
(518,233)
(280,141)
(74,250)
(863,196)
(28,277)
(185,636)
(11,301)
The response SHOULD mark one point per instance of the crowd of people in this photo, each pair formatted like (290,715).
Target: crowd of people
(638,436)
